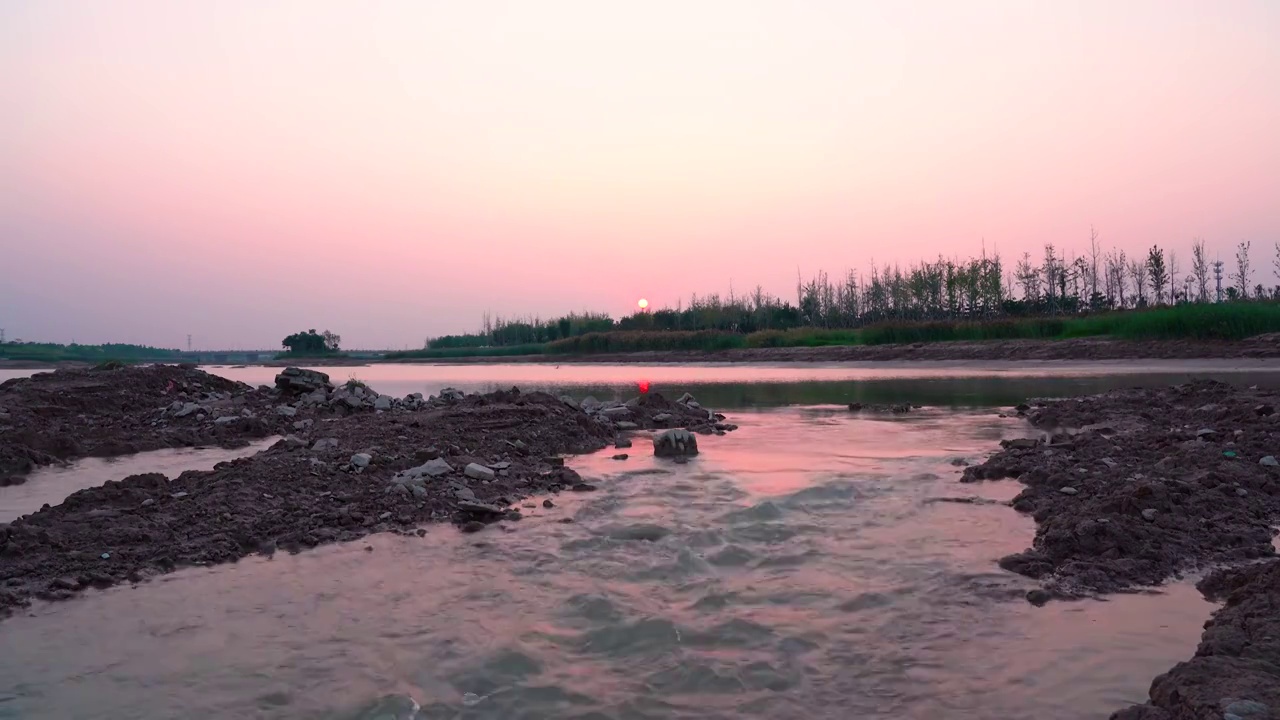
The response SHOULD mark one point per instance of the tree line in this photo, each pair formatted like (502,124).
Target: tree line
(1054,284)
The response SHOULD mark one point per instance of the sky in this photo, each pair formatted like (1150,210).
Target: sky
(391,170)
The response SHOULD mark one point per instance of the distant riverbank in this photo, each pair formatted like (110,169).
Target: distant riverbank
(1261,346)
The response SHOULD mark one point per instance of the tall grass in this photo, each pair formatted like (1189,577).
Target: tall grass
(1224,321)
(461,352)
(641,341)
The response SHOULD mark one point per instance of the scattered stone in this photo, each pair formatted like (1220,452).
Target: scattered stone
(298,381)
(187,409)
(478,472)
(1039,596)
(621,456)
(662,418)
(1068,490)
(303,424)
(471,507)
(1206,434)
(286,410)
(614,413)
(148,502)
(547,503)
(1269,461)
(675,443)
(325,444)
(180,494)
(626,425)
(382,403)
(1242,492)
(583,487)
(294,442)
(472,526)
(361,461)
(1149,514)
(1021,444)
(226,420)
(622,443)
(1264,410)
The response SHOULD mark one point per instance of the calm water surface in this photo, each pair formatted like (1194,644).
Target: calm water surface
(806,566)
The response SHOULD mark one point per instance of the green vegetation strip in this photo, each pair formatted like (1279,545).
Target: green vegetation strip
(1226,321)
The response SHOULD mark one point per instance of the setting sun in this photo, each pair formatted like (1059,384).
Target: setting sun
(643,303)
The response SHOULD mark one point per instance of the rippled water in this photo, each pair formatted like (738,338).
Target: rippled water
(800,567)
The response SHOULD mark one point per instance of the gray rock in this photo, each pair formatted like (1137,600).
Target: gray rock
(615,413)
(472,507)
(1068,490)
(1242,492)
(1021,444)
(626,425)
(148,501)
(1245,709)
(622,443)
(303,424)
(293,441)
(675,443)
(432,468)
(589,404)
(382,403)
(1149,514)
(286,410)
(1206,433)
(187,409)
(325,444)
(1269,461)
(316,397)
(570,402)
(662,417)
(685,399)
(226,419)
(361,460)
(299,381)
(451,394)
(478,472)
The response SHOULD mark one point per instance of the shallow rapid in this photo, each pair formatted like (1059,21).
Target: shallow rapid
(813,564)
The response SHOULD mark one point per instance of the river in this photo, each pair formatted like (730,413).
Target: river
(812,564)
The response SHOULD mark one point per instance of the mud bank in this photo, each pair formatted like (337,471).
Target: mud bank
(1131,488)
(1262,346)
(82,412)
(465,459)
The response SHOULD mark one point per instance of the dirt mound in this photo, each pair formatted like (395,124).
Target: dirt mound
(1236,669)
(71,413)
(463,459)
(1133,487)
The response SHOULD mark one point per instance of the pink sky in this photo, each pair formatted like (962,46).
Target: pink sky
(239,170)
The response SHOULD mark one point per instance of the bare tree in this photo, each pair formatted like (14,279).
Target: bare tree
(1173,278)
(1028,276)
(1117,271)
(1200,269)
(1094,252)
(1241,275)
(1157,273)
(1277,263)
(1138,273)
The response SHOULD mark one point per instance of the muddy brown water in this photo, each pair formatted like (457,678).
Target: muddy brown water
(803,566)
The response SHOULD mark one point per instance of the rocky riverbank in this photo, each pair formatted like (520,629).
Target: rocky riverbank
(1131,488)
(354,462)
(71,413)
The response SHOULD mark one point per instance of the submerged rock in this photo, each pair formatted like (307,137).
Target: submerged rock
(675,443)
